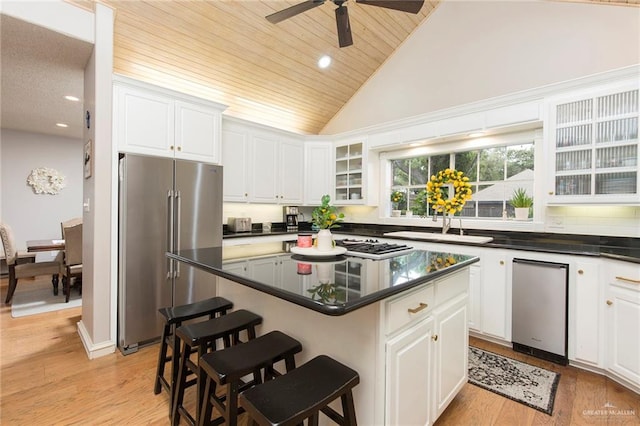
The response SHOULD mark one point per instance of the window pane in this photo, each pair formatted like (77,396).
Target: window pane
(439,162)
(467,162)
(492,164)
(400,172)
(519,159)
(419,174)
(418,201)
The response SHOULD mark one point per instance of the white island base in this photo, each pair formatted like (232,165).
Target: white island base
(410,350)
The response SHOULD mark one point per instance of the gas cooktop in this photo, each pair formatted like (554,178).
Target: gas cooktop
(372,249)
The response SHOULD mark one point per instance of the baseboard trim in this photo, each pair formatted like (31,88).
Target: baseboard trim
(94,350)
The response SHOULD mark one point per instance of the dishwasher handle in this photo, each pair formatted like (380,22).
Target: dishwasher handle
(541,263)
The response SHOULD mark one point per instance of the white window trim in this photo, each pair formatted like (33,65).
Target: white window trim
(463,143)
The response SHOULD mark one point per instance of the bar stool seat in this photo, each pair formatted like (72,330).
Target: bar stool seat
(302,394)
(174,316)
(202,336)
(229,366)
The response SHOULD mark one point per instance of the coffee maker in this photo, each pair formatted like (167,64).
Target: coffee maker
(291,217)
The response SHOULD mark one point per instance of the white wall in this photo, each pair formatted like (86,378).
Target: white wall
(37,216)
(473,50)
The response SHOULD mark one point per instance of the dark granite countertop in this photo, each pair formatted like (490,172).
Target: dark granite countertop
(619,248)
(330,286)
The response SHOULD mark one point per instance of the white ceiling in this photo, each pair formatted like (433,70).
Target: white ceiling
(39,68)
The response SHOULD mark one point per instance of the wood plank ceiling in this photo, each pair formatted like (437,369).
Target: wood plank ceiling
(226,51)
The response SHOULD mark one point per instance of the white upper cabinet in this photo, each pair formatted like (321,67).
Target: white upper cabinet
(594,139)
(318,177)
(261,166)
(153,121)
(350,176)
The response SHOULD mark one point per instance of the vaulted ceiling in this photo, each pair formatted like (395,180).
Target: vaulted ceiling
(226,51)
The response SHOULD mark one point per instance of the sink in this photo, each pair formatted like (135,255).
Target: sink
(433,236)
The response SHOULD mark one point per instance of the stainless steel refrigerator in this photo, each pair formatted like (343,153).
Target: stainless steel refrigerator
(164,205)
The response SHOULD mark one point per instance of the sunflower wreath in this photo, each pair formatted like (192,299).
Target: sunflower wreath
(436,196)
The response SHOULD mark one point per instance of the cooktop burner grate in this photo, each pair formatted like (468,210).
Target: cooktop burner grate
(373,249)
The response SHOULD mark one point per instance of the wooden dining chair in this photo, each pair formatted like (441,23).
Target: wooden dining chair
(72,263)
(68,223)
(19,269)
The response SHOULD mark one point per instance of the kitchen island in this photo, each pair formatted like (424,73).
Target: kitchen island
(401,322)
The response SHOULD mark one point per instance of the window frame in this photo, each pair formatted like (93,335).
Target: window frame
(455,145)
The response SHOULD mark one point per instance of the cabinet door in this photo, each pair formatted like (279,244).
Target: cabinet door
(143,122)
(451,342)
(235,154)
(409,376)
(475,297)
(587,302)
(290,165)
(496,305)
(197,133)
(595,147)
(317,171)
(263,171)
(623,329)
(266,270)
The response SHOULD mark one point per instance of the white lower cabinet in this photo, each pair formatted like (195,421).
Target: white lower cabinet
(585,329)
(451,343)
(495,294)
(623,322)
(408,386)
(426,350)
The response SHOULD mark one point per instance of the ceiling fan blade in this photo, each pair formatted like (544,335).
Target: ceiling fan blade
(411,6)
(344,28)
(289,12)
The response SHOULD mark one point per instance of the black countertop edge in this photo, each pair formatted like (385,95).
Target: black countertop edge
(620,248)
(317,306)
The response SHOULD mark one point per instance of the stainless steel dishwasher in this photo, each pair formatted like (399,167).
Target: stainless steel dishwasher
(539,309)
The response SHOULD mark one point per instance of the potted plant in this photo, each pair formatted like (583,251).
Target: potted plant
(324,218)
(397,197)
(522,203)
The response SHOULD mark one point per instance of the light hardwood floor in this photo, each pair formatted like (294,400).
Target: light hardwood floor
(46,379)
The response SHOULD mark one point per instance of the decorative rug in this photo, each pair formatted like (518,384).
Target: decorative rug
(39,300)
(532,386)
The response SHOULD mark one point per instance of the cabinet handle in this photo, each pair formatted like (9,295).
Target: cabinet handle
(418,309)
(434,337)
(550,192)
(171,147)
(580,272)
(630,280)
(502,262)
(609,302)
(246,195)
(179,148)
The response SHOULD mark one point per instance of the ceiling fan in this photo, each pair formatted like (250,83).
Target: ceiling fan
(342,16)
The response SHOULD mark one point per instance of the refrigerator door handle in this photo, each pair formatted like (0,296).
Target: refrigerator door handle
(170,263)
(178,229)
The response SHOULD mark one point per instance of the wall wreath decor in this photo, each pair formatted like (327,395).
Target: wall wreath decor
(46,181)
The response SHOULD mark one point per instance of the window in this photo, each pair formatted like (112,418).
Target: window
(494,173)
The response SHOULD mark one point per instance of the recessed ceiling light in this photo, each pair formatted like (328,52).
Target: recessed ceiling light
(62,125)
(476,134)
(324,61)
(71,98)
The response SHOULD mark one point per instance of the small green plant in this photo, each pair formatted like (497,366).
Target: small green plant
(520,199)
(326,216)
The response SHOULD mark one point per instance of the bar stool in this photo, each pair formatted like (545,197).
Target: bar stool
(302,394)
(202,336)
(173,318)
(229,366)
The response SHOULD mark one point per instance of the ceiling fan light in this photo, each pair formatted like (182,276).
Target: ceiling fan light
(324,61)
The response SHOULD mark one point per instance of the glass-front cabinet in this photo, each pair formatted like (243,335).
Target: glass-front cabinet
(349,173)
(595,148)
